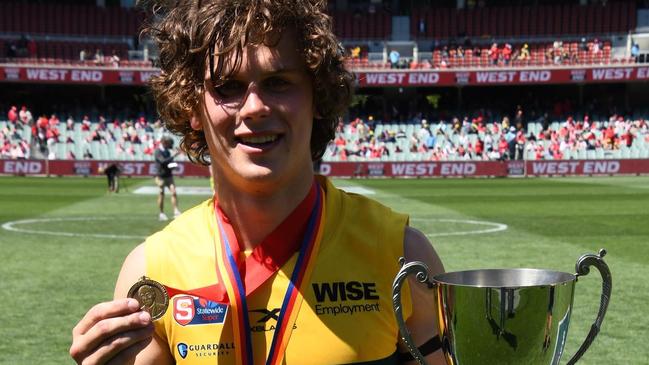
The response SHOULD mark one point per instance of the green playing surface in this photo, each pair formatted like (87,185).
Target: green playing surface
(63,241)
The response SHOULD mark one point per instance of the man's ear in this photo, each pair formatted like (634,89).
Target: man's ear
(195,123)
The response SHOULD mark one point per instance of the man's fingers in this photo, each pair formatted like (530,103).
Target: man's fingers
(113,326)
(105,310)
(87,344)
(118,349)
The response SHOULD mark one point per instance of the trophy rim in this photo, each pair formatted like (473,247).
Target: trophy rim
(504,278)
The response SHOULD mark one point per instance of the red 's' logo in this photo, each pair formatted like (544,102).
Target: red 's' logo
(184,310)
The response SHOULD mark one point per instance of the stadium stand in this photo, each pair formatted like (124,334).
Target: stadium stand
(476,35)
(460,138)
(49,33)
(524,21)
(69,19)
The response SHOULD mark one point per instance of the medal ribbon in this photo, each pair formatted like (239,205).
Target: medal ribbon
(299,280)
(236,288)
(266,259)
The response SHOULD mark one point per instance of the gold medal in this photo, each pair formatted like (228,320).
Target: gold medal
(151,295)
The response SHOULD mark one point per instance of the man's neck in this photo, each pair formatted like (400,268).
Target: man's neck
(255,215)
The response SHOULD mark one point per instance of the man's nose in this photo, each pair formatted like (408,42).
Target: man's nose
(254,106)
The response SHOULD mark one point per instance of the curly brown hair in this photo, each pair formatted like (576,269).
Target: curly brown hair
(189,32)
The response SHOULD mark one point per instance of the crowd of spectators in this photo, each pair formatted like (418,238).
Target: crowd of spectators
(14,144)
(460,137)
(505,54)
(23,136)
(477,138)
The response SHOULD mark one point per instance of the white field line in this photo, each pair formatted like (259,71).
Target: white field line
(494,227)
(14,227)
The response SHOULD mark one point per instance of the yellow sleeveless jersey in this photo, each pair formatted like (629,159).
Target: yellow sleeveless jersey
(346,316)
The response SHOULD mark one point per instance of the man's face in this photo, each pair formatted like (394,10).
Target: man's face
(258,123)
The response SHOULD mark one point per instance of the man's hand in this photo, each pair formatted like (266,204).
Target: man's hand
(111,333)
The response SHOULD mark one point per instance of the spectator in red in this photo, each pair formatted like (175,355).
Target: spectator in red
(85,123)
(555,150)
(494,54)
(503,146)
(507,53)
(43,122)
(520,144)
(479,147)
(340,141)
(54,121)
(610,138)
(628,137)
(12,115)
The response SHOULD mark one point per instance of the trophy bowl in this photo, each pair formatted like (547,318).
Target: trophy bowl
(504,316)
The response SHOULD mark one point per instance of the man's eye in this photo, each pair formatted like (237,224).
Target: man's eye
(230,89)
(277,84)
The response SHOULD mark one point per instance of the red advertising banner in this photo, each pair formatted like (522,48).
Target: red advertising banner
(366,78)
(414,169)
(407,78)
(587,167)
(81,75)
(93,168)
(485,168)
(353,169)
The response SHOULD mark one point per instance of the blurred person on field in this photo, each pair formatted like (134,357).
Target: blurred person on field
(112,171)
(256,89)
(164,160)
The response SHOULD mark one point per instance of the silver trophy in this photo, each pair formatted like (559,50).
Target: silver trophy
(504,316)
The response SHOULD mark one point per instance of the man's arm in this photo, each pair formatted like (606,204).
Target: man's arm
(422,324)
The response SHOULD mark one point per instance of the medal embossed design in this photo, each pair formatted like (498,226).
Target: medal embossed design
(151,295)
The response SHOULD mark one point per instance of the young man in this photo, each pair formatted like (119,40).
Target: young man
(280,264)
(164,159)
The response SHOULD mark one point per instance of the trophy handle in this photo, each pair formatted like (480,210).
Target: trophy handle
(583,268)
(421,271)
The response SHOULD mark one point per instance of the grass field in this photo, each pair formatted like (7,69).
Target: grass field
(48,280)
